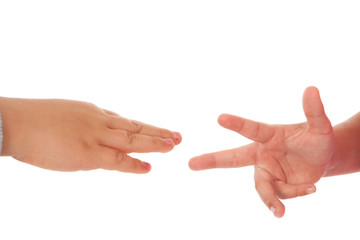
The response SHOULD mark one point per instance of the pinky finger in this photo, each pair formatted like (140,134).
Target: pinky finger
(264,187)
(285,191)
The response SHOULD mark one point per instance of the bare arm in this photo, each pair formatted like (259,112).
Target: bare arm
(346,158)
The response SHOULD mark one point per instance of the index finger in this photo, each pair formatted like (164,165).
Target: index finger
(256,131)
(132,126)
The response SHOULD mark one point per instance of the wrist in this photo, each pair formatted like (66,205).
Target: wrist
(346,154)
(8,122)
(333,168)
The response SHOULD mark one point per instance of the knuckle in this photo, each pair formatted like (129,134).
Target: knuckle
(124,163)
(240,126)
(131,138)
(120,158)
(136,127)
(213,163)
(256,132)
(236,160)
(282,195)
(165,132)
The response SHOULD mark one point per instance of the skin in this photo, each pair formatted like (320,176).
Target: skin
(66,135)
(290,159)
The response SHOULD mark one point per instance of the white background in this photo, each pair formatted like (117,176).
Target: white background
(178,65)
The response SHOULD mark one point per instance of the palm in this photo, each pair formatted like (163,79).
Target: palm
(288,159)
(294,154)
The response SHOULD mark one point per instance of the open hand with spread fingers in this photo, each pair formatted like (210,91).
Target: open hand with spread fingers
(288,159)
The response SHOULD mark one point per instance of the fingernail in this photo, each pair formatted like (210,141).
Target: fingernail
(273,210)
(310,190)
(176,135)
(169,142)
(146,165)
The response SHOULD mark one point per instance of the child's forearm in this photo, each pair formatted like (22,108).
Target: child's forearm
(346,158)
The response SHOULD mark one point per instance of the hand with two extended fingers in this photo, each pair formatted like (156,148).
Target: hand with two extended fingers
(69,135)
(288,159)
(66,135)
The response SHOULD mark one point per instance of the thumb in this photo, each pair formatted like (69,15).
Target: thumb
(314,111)
(125,163)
